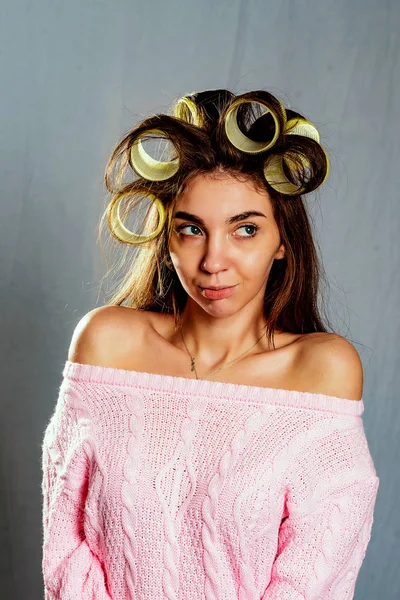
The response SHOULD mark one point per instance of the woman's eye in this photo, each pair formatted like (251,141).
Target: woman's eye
(181,227)
(255,228)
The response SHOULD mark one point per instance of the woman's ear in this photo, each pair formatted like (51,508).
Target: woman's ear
(281,252)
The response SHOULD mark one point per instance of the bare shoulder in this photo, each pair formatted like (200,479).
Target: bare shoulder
(333,365)
(105,333)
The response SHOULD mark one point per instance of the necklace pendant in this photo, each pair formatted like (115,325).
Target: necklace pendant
(192,364)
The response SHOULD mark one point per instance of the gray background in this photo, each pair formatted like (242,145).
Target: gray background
(74,76)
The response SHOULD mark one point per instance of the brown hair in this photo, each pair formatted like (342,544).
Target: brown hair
(148,281)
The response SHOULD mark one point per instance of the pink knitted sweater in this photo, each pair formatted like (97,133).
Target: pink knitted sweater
(158,487)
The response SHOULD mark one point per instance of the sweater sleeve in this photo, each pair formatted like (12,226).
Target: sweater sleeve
(327,522)
(71,568)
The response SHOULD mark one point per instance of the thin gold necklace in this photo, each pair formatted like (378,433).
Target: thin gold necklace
(193,366)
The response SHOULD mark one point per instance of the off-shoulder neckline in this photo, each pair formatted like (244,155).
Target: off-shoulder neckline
(216,389)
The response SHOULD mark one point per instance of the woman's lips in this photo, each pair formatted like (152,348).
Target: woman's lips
(217,294)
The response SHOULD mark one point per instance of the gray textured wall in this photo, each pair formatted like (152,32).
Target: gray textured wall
(75,75)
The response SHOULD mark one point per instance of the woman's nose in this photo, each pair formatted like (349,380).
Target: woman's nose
(216,255)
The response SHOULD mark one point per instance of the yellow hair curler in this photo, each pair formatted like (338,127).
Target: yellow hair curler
(123,233)
(148,167)
(185,107)
(298,126)
(239,139)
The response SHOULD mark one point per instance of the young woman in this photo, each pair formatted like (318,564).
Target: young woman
(207,441)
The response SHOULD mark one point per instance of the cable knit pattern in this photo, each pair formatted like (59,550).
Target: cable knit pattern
(159,487)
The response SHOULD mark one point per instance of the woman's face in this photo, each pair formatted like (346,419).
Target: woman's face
(214,244)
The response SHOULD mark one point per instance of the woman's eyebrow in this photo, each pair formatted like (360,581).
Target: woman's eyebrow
(182,214)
